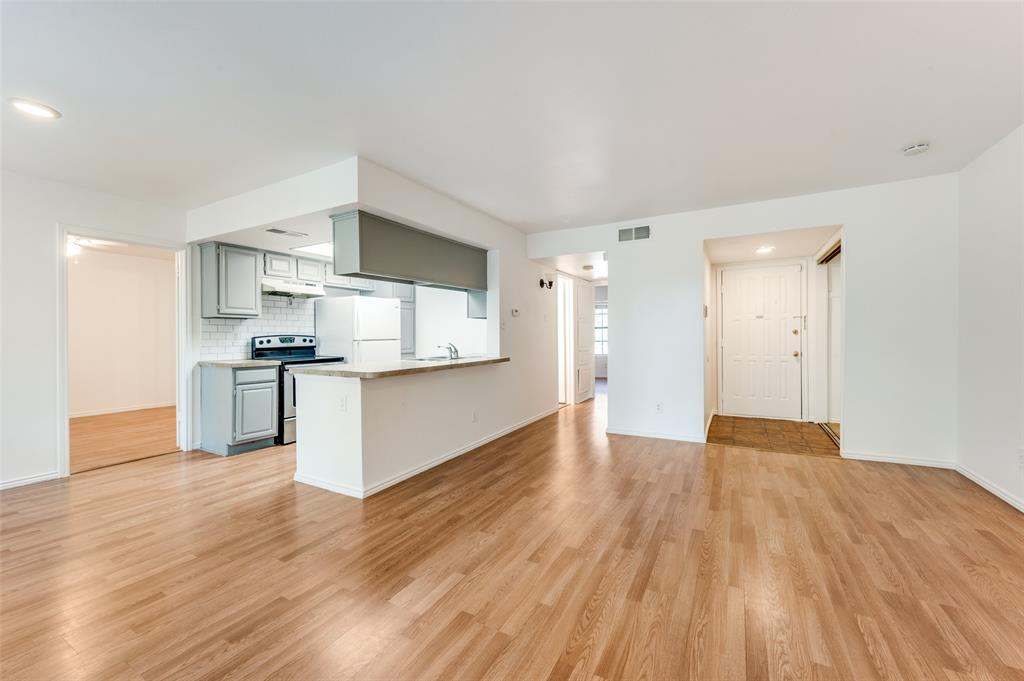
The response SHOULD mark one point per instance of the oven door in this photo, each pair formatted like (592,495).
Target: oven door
(288,403)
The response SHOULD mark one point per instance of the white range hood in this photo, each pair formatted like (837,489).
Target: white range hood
(292,288)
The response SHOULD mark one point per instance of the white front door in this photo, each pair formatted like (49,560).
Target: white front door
(584,335)
(761,328)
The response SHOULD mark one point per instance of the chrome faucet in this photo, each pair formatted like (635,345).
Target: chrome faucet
(453,352)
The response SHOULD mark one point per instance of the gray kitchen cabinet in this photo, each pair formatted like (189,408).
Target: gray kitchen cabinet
(405,292)
(281,266)
(230,281)
(309,270)
(382,289)
(332,279)
(255,412)
(389,289)
(408,338)
(476,304)
(361,283)
(239,408)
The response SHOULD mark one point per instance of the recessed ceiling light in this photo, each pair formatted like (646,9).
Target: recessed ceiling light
(325,249)
(915,149)
(35,109)
(763,250)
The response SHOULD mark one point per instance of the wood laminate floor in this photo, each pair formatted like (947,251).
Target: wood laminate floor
(556,552)
(108,439)
(771,435)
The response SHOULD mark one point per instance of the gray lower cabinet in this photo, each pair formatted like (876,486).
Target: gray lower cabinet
(230,278)
(239,408)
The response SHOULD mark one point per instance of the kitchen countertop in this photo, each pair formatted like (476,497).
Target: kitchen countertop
(240,363)
(403,367)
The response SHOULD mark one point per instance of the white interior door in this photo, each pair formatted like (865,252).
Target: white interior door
(761,314)
(566,361)
(584,305)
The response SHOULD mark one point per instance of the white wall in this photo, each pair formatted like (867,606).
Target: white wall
(441,319)
(899,248)
(991,323)
(32,209)
(121,332)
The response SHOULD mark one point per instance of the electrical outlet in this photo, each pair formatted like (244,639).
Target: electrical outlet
(343,404)
(1020,462)
(658,408)
(473,416)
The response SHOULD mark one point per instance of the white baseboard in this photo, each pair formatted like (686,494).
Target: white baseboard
(696,439)
(120,410)
(906,460)
(990,486)
(329,486)
(707,426)
(29,480)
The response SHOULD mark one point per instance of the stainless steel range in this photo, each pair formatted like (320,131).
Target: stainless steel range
(290,351)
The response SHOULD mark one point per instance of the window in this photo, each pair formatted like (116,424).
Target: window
(601,329)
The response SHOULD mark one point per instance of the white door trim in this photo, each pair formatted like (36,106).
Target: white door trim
(805,327)
(183,318)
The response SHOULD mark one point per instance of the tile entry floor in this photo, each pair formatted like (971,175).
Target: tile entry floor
(771,435)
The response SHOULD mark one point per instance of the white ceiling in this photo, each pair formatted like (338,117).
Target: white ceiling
(792,243)
(546,115)
(573,264)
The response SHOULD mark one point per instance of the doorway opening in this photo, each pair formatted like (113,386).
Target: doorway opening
(581,289)
(832,262)
(121,349)
(770,358)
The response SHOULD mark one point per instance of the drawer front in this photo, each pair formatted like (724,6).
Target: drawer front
(262,375)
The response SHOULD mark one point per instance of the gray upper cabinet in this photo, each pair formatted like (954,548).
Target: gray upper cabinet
(309,270)
(345,281)
(230,279)
(389,289)
(408,329)
(371,246)
(405,292)
(332,279)
(382,289)
(277,265)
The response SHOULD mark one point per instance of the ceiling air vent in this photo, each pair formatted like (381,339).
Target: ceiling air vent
(278,230)
(635,233)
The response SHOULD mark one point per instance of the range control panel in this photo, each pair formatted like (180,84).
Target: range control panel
(283,341)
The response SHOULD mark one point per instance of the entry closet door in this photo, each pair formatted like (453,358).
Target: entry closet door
(584,340)
(761,327)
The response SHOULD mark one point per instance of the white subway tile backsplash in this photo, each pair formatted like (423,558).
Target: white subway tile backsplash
(229,338)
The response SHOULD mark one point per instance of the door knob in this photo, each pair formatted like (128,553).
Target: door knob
(796,353)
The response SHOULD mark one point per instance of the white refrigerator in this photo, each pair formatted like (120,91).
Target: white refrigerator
(358,328)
